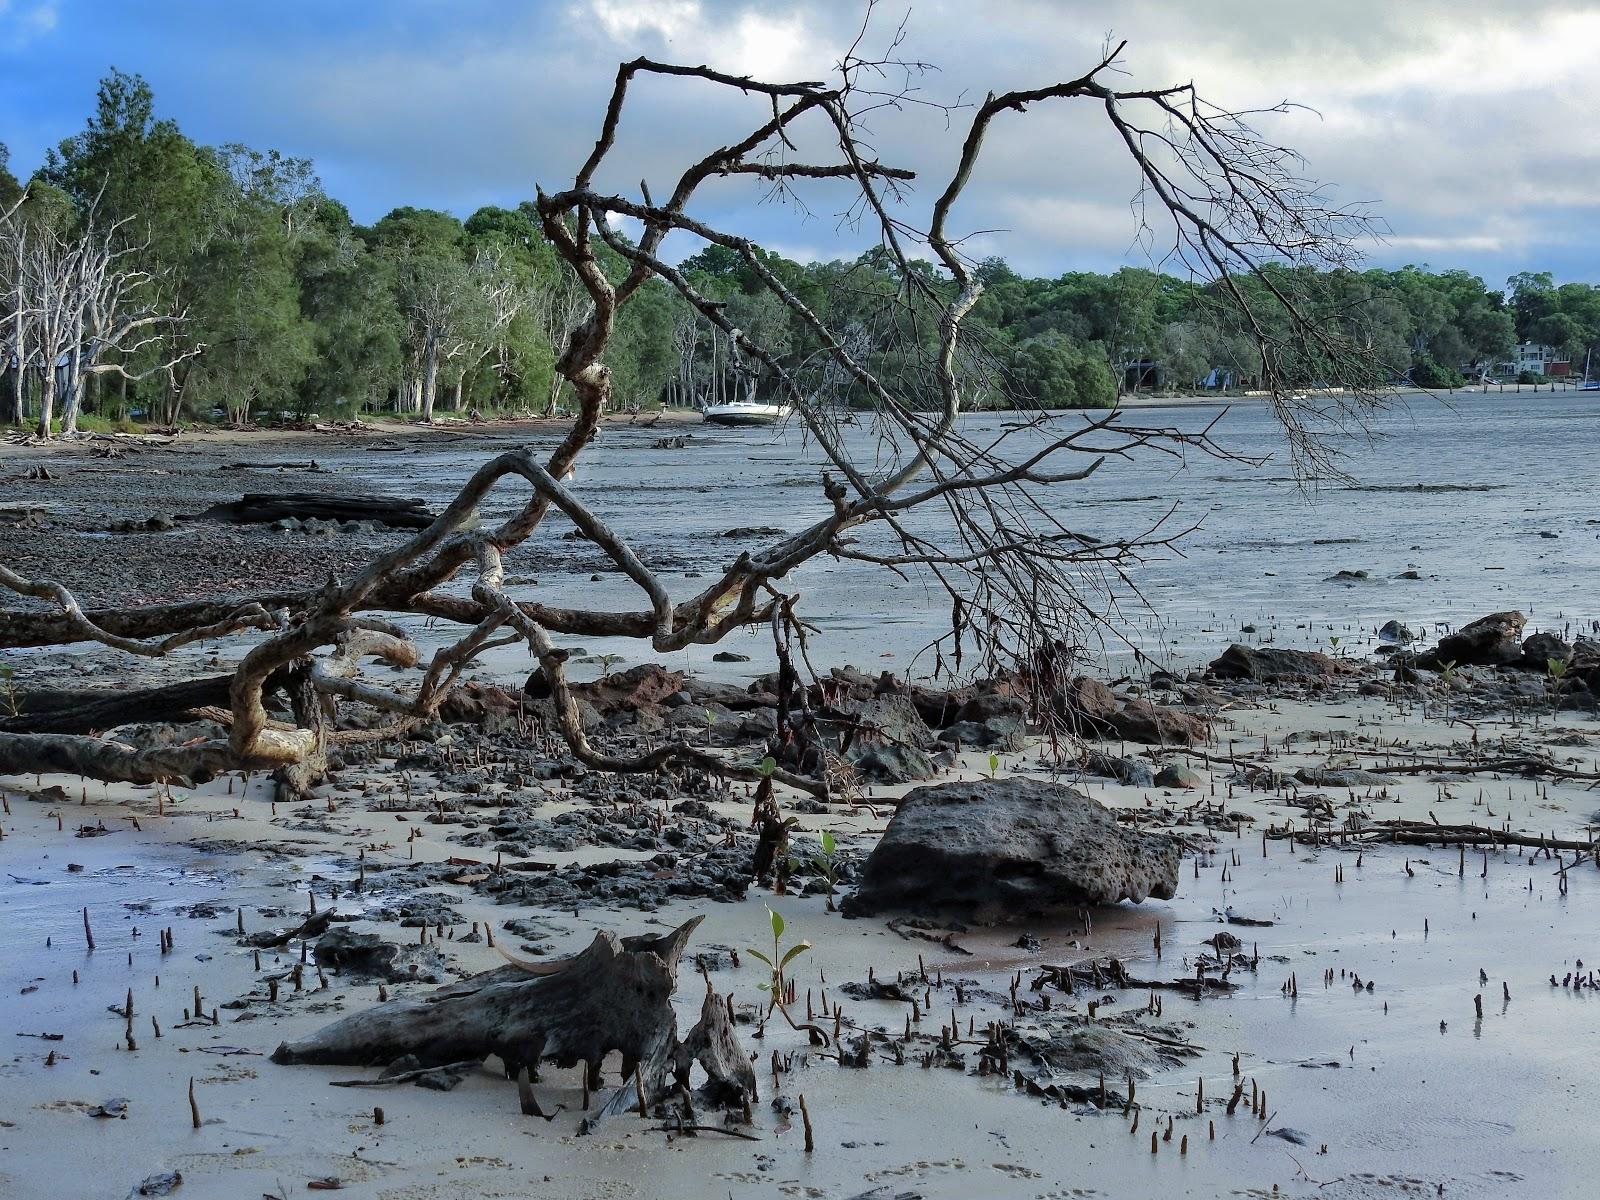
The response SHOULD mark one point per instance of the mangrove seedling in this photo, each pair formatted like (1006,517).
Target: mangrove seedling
(1556,668)
(826,862)
(778,959)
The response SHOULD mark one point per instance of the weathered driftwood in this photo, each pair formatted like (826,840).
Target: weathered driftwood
(313,926)
(615,996)
(257,508)
(89,710)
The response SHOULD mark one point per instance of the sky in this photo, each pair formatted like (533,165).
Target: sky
(1469,126)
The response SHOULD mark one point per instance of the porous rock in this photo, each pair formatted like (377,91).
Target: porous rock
(999,848)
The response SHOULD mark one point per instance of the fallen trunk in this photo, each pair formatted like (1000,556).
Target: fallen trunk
(258,509)
(616,995)
(92,710)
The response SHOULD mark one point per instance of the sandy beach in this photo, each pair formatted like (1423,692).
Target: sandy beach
(1393,1088)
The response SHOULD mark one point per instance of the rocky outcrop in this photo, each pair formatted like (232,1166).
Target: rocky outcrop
(995,849)
(1487,642)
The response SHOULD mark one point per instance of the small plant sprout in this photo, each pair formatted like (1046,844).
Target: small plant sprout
(827,863)
(994,764)
(8,691)
(1447,676)
(1557,670)
(768,766)
(778,959)
(607,661)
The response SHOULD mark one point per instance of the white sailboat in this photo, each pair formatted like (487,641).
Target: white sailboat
(745,409)
(745,412)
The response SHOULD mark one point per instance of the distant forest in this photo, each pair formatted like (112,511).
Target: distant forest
(146,277)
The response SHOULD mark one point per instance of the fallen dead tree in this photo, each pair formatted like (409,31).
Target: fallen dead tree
(614,996)
(977,516)
(91,710)
(258,509)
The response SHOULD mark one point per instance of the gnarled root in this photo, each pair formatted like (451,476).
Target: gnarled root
(616,995)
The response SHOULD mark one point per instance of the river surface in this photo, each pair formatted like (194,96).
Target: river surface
(1488,498)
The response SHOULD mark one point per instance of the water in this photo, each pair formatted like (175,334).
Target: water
(1460,489)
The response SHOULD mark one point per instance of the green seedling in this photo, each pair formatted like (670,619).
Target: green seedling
(778,959)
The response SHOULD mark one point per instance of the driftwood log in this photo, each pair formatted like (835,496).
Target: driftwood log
(91,710)
(614,996)
(257,508)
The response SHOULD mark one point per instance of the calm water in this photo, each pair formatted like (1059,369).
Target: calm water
(1459,489)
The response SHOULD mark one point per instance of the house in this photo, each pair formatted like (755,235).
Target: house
(1534,359)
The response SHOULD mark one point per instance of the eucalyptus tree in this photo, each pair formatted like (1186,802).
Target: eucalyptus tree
(434,294)
(347,293)
(82,308)
(258,344)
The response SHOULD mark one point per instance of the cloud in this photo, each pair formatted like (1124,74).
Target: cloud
(1468,123)
(25,21)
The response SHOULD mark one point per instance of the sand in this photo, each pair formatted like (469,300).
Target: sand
(1399,1090)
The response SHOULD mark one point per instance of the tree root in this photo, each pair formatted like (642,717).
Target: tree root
(616,995)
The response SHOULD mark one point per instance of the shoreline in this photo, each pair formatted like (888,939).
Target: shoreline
(391,426)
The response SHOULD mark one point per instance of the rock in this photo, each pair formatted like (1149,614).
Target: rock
(884,738)
(893,764)
(1090,703)
(1348,577)
(1141,721)
(709,692)
(115,1108)
(1115,1048)
(1539,648)
(1393,631)
(999,848)
(1089,706)
(1345,778)
(1409,575)
(476,703)
(1134,772)
(160,736)
(164,1183)
(1487,642)
(343,949)
(729,656)
(997,733)
(1264,664)
(646,685)
(989,704)
(1293,1136)
(750,531)
(1175,775)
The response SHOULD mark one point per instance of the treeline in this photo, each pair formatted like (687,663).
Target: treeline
(147,276)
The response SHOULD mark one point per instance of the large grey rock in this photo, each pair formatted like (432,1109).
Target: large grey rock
(994,849)
(343,949)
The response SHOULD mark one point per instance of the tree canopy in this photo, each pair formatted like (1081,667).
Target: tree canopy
(284,306)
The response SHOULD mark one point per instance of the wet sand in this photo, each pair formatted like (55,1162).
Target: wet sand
(1408,1092)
